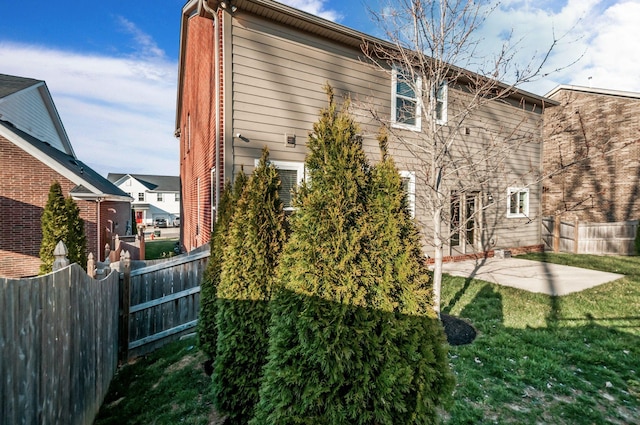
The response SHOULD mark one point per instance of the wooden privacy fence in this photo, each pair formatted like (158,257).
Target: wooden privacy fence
(164,302)
(58,346)
(589,238)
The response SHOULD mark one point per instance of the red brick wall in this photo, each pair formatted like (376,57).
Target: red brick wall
(592,148)
(24,189)
(198,131)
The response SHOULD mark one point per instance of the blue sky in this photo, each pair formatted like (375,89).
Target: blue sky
(112,66)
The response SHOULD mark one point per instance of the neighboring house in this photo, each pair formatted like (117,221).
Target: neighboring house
(34,152)
(251,74)
(153,196)
(592,155)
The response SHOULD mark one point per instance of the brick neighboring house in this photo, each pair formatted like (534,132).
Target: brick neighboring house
(251,74)
(592,150)
(34,152)
(153,196)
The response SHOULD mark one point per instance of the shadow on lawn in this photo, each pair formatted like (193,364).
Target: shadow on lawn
(561,374)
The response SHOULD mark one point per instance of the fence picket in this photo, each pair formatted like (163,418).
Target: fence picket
(60,333)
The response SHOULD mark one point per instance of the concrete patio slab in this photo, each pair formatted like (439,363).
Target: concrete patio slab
(533,276)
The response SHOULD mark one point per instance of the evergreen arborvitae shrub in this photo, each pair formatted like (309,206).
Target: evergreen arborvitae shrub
(76,239)
(61,222)
(207,329)
(349,344)
(254,244)
(395,267)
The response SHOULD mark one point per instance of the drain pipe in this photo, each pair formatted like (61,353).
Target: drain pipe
(217,167)
(98,227)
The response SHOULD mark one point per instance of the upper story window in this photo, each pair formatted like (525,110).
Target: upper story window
(160,197)
(440,99)
(405,99)
(517,202)
(141,196)
(408,179)
(291,175)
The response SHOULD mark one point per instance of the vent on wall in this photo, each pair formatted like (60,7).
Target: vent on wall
(290,140)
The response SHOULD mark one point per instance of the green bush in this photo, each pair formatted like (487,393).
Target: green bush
(61,222)
(207,329)
(353,338)
(254,244)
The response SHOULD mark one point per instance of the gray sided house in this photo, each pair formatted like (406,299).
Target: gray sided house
(251,74)
(34,152)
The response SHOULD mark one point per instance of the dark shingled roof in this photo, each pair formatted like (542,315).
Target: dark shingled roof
(152,182)
(10,84)
(72,164)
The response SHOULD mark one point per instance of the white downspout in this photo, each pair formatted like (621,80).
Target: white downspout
(98,227)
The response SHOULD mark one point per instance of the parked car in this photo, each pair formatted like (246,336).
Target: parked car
(176,222)
(160,222)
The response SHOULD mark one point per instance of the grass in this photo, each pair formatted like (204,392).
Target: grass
(537,359)
(541,359)
(162,248)
(168,386)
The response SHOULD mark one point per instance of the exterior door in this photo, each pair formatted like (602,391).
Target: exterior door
(464,224)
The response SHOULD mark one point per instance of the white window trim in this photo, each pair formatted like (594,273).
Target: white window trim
(525,213)
(394,97)
(411,190)
(288,165)
(445,101)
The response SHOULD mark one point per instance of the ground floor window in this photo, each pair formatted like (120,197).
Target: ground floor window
(517,202)
(291,175)
(408,179)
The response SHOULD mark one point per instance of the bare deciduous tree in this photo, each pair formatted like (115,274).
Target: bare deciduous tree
(460,113)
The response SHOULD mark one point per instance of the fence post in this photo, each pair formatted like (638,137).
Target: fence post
(576,236)
(91,266)
(60,254)
(556,233)
(125,303)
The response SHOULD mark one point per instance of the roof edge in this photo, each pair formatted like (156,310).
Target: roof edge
(600,91)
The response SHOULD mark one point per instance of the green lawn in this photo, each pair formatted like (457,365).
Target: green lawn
(536,360)
(540,359)
(161,248)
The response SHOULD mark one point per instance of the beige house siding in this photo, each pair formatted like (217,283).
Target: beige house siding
(274,62)
(277,80)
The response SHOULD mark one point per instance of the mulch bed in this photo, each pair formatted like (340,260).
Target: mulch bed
(458,331)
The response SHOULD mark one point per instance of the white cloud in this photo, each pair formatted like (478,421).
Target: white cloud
(119,112)
(315,7)
(601,35)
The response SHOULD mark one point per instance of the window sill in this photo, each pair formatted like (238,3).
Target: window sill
(417,128)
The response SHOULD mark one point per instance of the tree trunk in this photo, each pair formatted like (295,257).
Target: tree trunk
(437,267)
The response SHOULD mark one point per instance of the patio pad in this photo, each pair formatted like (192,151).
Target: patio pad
(533,276)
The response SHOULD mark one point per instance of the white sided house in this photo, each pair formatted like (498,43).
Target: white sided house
(153,196)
